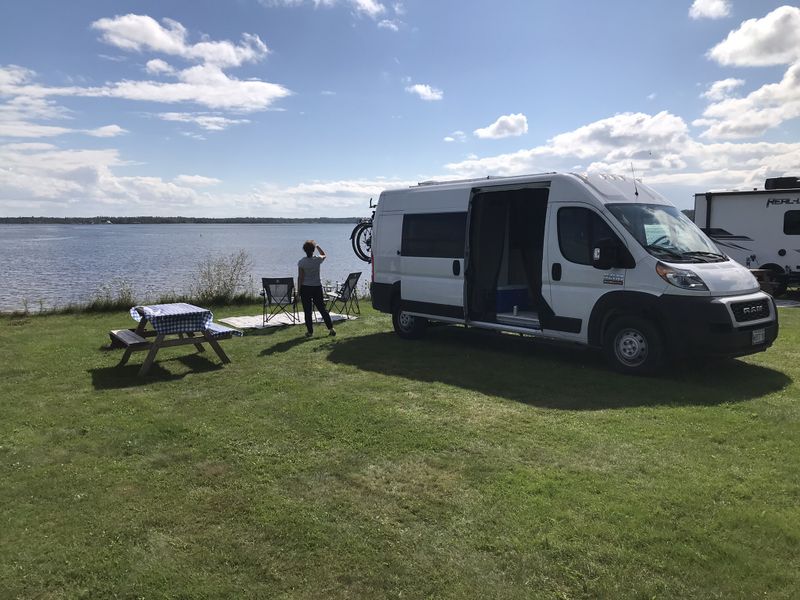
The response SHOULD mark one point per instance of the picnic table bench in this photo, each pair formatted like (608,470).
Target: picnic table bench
(191,324)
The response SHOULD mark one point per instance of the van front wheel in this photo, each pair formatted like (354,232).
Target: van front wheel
(633,345)
(408,326)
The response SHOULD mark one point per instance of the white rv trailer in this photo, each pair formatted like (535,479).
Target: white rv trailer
(756,228)
(602,261)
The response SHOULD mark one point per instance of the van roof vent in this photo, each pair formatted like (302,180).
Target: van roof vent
(782,183)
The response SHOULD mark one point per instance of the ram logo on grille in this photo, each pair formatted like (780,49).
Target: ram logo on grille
(750,311)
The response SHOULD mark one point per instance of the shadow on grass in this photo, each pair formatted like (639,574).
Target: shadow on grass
(284,346)
(127,376)
(547,375)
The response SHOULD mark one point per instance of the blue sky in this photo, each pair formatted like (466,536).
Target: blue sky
(309,107)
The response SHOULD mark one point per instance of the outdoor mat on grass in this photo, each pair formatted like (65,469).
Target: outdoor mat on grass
(280,320)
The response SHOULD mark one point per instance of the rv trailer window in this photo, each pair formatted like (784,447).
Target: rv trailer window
(578,230)
(791,222)
(436,235)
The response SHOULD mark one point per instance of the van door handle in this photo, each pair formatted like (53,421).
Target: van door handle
(456,267)
(555,272)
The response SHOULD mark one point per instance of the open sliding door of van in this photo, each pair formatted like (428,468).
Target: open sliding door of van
(505,252)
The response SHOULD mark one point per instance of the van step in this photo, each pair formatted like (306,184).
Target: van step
(523,318)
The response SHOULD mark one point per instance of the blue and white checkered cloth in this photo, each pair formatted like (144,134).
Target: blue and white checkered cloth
(174,318)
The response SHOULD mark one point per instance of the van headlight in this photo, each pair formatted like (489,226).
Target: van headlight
(682,278)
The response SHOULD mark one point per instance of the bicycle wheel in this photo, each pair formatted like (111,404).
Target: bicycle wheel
(362,241)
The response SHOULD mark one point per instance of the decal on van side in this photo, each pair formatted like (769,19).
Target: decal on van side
(726,238)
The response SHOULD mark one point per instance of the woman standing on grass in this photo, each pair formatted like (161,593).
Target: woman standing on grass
(310,286)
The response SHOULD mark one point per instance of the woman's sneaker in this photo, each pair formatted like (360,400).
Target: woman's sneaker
(331,332)
(309,333)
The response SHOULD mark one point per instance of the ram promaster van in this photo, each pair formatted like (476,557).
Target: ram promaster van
(757,228)
(600,261)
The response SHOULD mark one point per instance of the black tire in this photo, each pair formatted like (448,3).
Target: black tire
(408,326)
(634,346)
(779,288)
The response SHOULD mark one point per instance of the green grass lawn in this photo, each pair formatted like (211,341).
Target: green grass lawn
(464,465)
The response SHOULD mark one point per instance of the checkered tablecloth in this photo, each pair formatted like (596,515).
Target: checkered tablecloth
(174,318)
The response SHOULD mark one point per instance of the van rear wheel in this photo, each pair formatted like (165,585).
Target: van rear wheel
(408,326)
(634,346)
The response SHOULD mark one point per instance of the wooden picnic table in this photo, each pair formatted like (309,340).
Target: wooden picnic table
(167,325)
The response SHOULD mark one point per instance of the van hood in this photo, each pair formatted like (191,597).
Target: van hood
(723,278)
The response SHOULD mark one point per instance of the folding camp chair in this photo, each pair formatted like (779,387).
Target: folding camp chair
(345,295)
(279,297)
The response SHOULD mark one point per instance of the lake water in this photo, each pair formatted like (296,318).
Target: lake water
(62,264)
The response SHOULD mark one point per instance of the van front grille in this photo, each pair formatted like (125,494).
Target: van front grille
(750,311)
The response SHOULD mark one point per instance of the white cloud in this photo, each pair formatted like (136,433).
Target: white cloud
(752,115)
(18,116)
(391,24)
(197,180)
(208,121)
(710,9)
(658,146)
(41,179)
(143,33)
(505,126)
(206,83)
(23,129)
(425,91)
(721,89)
(193,135)
(651,96)
(203,84)
(456,136)
(107,131)
(344,197)
(12,75)
(29,146)
(647,139)
(371,8)
(770,40)
(158,66)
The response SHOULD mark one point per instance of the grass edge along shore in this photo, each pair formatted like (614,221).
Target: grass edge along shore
(465,464)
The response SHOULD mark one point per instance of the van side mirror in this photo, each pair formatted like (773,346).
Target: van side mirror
(606,254)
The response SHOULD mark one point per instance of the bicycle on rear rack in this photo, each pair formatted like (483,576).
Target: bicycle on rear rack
(361,237)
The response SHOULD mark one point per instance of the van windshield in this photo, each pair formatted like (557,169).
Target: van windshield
(666,233)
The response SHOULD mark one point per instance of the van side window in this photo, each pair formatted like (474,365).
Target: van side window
(791,222)
(434,235)
(579,229)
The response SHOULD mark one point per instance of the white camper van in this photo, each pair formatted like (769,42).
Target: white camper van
(757,228)
(602,261)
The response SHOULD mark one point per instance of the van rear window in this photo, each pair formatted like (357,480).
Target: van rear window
(434,235)
(791,222)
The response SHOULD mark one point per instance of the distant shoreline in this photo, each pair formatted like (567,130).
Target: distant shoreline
(167,220)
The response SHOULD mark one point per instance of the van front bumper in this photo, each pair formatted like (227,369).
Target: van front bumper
(707,326)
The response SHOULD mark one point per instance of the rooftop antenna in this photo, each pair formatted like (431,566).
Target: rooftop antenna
(635,189)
